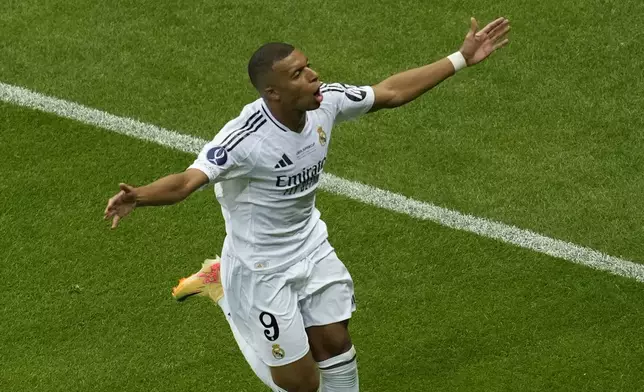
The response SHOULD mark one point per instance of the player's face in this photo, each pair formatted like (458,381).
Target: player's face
(295,84)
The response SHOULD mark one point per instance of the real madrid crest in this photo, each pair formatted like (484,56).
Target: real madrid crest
(278,352)
(322,136)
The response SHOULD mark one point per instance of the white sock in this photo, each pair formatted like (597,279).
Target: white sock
(340,373)
(262,370)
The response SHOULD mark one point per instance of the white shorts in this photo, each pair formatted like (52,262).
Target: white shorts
(272,310)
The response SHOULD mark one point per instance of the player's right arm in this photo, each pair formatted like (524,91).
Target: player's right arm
(224,158)
(164,191)
(170,189)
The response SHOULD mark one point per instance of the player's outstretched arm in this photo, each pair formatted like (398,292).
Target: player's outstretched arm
(406,86)
(167,190)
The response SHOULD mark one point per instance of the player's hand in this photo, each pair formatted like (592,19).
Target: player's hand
(478,45)
(121,204)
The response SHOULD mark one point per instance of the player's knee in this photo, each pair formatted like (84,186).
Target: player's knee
(299,376)
(312,384)
(340,344)
(308,383)
(329,341)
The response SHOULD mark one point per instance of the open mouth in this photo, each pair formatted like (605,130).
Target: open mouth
(318,95)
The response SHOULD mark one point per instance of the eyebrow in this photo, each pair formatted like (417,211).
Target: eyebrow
(301,68)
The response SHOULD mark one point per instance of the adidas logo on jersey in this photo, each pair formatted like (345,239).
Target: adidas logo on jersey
(285,161)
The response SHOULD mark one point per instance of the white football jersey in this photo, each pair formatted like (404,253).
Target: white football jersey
(266,175)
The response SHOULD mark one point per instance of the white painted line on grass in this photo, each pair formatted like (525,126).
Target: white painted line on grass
(330,183)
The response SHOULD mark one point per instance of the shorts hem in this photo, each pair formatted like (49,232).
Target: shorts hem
(336,320)
(290,360)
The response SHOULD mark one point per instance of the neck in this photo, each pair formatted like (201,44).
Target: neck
(292,119)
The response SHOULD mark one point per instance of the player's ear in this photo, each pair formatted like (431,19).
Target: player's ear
(271,94)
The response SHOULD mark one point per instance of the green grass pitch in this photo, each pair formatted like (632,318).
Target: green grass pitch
(546,135)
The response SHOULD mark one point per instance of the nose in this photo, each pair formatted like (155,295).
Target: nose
(314,76)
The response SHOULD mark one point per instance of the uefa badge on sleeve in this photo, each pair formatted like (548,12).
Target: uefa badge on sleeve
(355,94)
(217,155)
(278,352)
(322,136)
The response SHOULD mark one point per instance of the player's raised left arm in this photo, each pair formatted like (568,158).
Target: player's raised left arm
(406,86)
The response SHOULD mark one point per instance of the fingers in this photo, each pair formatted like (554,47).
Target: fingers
(500,40)
(109,208)
(501,44)
(112,209)
(126,188)
(110,213)
(115,221)
(474,26)
(111,203)
(491,26)
(500,30)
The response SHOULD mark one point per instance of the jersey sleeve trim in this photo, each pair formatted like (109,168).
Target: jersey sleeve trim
(218,158)
(333,87)
(252,125)
(260,121)
(202,168)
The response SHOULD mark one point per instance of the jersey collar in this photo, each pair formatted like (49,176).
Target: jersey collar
(278,124)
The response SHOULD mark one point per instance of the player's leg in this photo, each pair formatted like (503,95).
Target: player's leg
(207,282)
(299,376)
(326,309)
(261,370)
(265,309)
(335,356)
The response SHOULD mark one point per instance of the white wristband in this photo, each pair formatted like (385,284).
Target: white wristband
(458,61)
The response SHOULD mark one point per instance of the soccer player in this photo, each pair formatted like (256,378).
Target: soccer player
(285,291)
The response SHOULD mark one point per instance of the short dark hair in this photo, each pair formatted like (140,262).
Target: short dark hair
(261,62)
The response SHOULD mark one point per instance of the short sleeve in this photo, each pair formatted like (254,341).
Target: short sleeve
(220,163)
(348,101)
